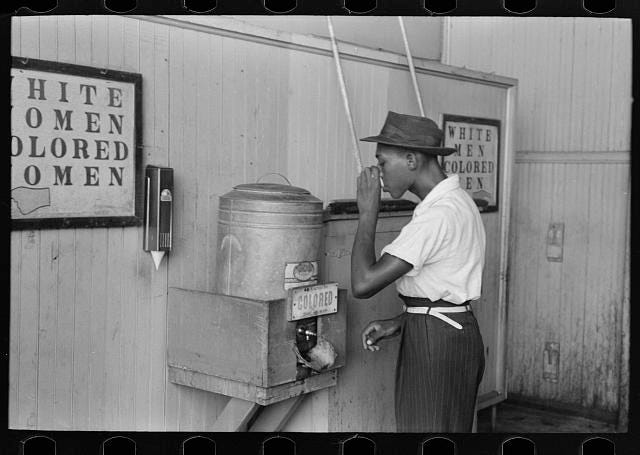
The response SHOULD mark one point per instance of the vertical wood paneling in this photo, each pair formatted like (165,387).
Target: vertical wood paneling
(604,289)
(158,368)
(129,337)
(554,277)
(530,273)
(115,37)
(112,340)
(66,39)
(16,26)
(114,277)
(324,158)
(282,63)
(97,349)
(30,37)
(424,33)
(62,48)
(28,311)
(534,271)
(574,92)
(237,57)
(576,101)
(14,328)
(46,328)
(63,377)
(48,273)
(616,274)
(209,114)
(576,302)
(300,72)
(176,144)
(48,38)
(81,397)
(88,308)
(131,278)
(514,293)
(188,163)
(145,298)
(195,90)
(99,253)
(29,315)
(620,101)
(574,269)
(176,87)
(623,323)
(311,415)
(81,332)
(546,304)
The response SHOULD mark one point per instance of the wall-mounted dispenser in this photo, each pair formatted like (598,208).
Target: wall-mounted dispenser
(158,211)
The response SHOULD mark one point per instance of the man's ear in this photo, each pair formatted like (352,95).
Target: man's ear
(412,160)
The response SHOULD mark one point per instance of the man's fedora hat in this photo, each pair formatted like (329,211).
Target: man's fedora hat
(411,132)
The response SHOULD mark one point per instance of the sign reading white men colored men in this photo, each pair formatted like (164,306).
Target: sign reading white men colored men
(75,138)
(477,144)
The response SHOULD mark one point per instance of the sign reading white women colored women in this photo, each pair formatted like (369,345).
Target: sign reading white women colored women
(477,144)
(74,143)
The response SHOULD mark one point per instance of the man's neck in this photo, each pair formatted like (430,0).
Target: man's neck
(428,177)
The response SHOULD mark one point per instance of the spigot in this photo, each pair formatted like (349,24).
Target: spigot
(307,333)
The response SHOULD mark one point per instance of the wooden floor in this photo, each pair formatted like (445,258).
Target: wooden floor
(517,419)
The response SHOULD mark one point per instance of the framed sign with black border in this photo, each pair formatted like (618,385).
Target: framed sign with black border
(476,160)
(76,141)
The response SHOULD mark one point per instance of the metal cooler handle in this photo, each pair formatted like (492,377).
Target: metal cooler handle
(274,173)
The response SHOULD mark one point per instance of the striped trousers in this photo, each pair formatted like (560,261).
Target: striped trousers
(438,372)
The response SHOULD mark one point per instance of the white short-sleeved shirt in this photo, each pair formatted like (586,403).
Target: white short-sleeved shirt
(445,242)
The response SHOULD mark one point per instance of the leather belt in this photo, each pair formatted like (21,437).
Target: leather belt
(438,310)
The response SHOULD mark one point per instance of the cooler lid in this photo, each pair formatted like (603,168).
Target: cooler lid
(270,188)
(252,193)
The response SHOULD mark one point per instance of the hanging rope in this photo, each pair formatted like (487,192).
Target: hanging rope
(345,99)
(411,67)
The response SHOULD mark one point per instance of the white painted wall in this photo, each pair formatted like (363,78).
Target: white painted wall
(88,309)
(573,166)
(377,32)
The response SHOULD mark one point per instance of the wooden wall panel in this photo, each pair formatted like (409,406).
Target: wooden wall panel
(573,130)
(114,274)
(26,287)
(88,304)
(377,32)
(574,293)
(46,325)
(604,286)
(29,330)
(195,130)
(135,267)
(576,302)
(159,281)
(574,91)
(16,35)
(83,318)
(65,324)
(312,415)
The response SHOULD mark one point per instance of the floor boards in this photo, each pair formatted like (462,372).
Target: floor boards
(518,419)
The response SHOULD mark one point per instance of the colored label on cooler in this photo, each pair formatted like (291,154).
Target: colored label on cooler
(309,301)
